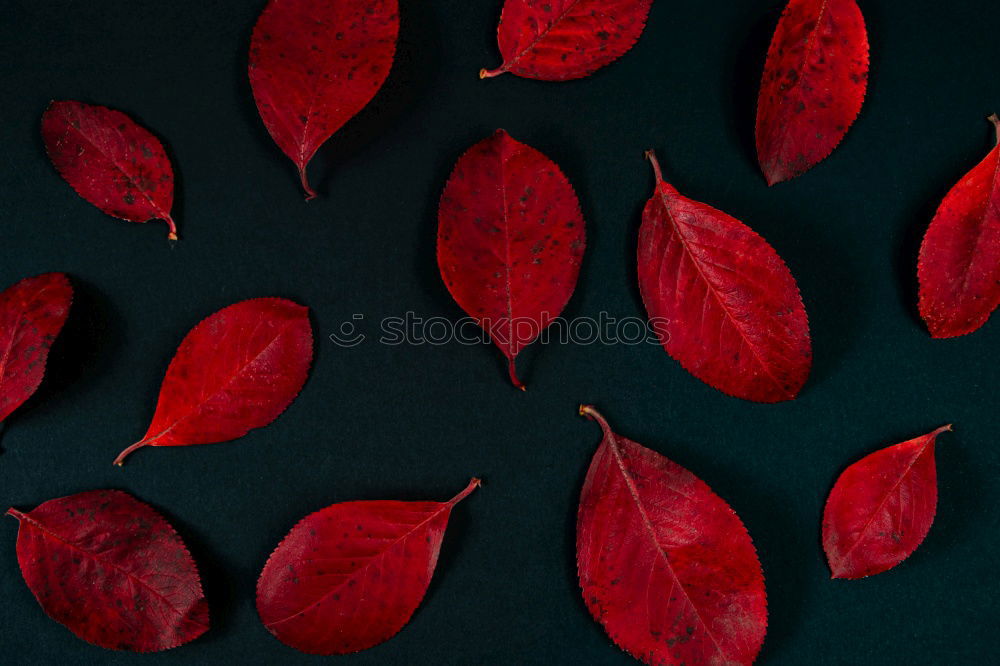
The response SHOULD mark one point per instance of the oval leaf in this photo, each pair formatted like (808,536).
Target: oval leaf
(557,40)
(235,371)
(665,564)
(813,86)
(959,266)
(722,301)
(350,576)
(881,508)
(110,161)
(32,312)
(315,65)
(510,241)
(111,570)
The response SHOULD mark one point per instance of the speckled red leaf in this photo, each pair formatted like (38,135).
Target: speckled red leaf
(235,371)
(111,570)
(557,40)
(881,508)
(350,576)
(813,86)
(110,161)
(510,241)
(959,266)
(314,64)
(665,564)
(720,298)
(32,312)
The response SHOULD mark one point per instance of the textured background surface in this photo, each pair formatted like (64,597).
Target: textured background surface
(416,422)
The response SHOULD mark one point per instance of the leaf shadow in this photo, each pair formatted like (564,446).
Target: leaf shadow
(81,353)
(767,517)
(414,68)
(769,520)
(425,266)
(961,506)
(914,223)
(569,535)
(220,591)
(269,150)
(747,54)
(835,301)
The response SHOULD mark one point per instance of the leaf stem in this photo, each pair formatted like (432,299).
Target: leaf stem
(651,156)
(512,371)
(996,123)
(172,228)
(310,192)
(490,73)
(120,460)
(594,415)
(473,484)
(14,512)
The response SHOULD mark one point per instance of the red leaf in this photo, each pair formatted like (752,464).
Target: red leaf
(881,508)
(111,570)
(510,241)
(722,301)
(110,161)
(350,576)
(235,371)
(557,40)
(315,65)
(32,312)
(665,564)
(813,86)
(959,266)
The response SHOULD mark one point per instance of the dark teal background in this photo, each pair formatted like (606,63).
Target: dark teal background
(411,422)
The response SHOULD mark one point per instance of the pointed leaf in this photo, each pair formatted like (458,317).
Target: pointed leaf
(722,301)
(665,564)
(557,40)
(350,576)
(235,371)
(510,241)
(110,161)
(315,65)
(111,570)
(32,312)
(813,86)
(881,508)
(959,266)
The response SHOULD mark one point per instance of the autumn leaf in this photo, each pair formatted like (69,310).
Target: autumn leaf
(813,86)
(237,370)
(315,65)
(510,241)
(350,576)
(959,266)
(110,161)
(721,300)
(558,40)
(32,312)
(111,570)
(881,508)
(664,563)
